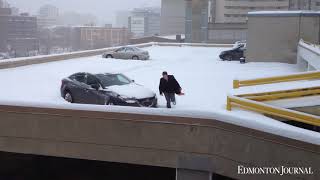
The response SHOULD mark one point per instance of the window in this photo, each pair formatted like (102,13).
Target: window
(120,50)
(80,78)
(92,80)
(128,49)
(113,80)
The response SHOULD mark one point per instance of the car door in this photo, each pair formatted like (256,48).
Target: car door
(129,53)
(93,96)
(78,87)
(119,53)
(237,54)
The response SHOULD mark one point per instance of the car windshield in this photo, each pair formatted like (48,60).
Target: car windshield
(113,79)
(135,49)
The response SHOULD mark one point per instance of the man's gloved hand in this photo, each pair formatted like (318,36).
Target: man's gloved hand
(181,93)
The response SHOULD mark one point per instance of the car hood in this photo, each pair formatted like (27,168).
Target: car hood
(132,90)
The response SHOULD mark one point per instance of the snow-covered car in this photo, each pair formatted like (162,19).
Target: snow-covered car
(238,43)
(236,53)
(127,53)
(106,89)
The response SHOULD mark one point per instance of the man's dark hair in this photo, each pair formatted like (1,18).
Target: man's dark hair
(164,73)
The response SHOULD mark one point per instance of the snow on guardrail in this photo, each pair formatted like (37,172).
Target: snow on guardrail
(308,56)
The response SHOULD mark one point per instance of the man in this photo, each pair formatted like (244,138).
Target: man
(169,86)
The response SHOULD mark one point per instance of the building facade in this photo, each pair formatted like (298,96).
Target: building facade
(173,15)
(235,11)
(18,34)
(278,42)
(144,22)
(92,37)
(305,5)
(55,40)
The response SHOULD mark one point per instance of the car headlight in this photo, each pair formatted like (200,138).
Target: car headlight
(130,101)
(127,99)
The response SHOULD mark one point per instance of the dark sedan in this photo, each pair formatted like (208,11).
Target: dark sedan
(237,53)
(106,89)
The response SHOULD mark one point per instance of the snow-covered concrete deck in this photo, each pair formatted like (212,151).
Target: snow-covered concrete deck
(204,78)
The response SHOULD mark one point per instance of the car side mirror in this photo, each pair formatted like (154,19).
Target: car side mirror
(95,86)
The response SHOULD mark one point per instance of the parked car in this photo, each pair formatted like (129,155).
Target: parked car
(236,53)
(127,53)
(106,89)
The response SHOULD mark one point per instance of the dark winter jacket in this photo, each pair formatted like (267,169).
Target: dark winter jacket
(170,86)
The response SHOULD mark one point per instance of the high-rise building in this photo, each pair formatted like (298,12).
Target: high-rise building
(220,21)
(48,16)
(235,11)
(144,22)
(173,15)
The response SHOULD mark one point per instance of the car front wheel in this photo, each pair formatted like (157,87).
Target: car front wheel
(68,97)
(109,56)
(135,58)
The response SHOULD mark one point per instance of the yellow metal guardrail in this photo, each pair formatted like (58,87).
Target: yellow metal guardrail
(254,101)
(288,78)
(276,95)
(271,110)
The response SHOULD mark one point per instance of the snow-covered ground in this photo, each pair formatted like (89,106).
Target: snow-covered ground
(205,80)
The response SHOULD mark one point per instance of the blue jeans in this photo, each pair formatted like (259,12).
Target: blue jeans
(170,97)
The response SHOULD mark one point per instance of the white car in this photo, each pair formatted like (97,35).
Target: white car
(127,53)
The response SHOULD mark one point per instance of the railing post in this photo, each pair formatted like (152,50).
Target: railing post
(236,84)
(229,106)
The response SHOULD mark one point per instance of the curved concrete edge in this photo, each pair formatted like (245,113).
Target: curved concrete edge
(266,125)
(18,62)
(175,142)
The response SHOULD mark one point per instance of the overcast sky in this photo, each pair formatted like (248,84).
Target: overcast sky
(103,9)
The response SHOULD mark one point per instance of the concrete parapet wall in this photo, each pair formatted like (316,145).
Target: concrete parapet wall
(274,36)
(176,142)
